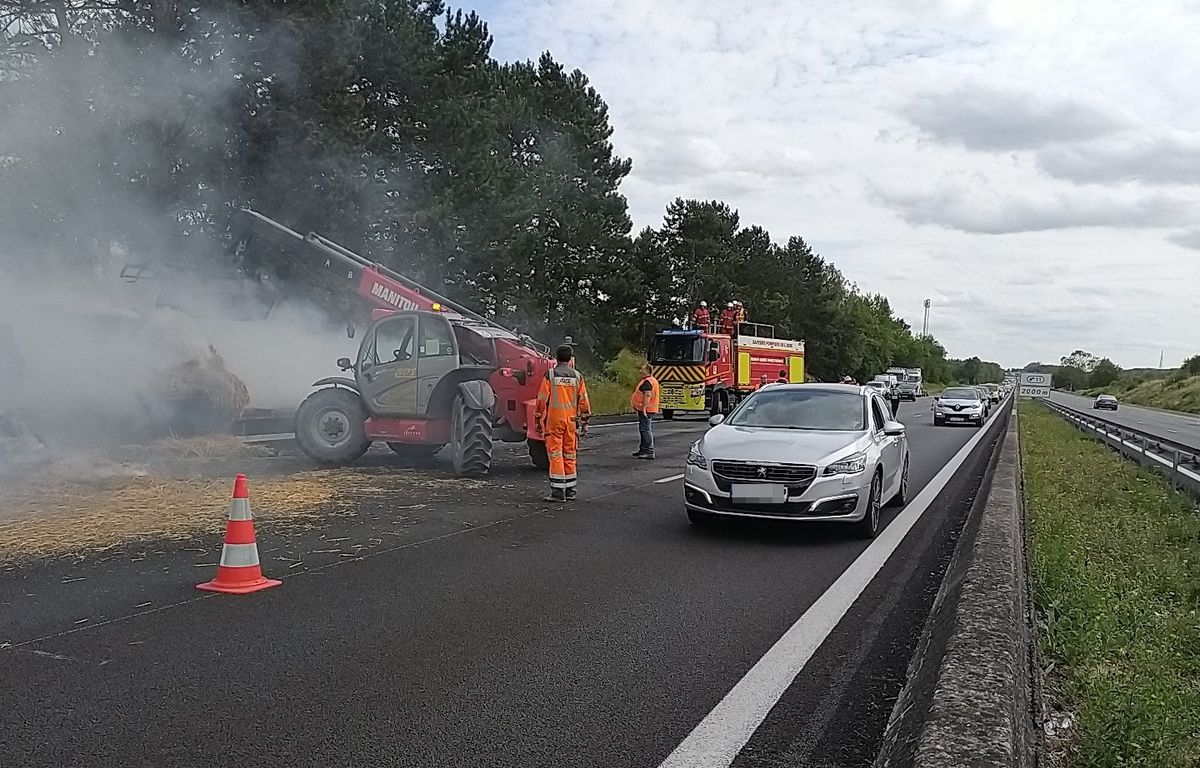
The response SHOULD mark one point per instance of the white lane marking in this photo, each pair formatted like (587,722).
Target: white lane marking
(722,734)
(670,479)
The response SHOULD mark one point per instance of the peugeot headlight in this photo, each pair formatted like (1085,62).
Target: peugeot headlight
(696,456)
(851,465)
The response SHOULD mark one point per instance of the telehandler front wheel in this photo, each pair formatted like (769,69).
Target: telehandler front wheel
(330,426)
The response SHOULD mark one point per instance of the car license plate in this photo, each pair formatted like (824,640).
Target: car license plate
(758,493)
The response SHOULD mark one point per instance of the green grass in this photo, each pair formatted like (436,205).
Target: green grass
(609,391)
(1116,574)
(1177,392)
(608,397)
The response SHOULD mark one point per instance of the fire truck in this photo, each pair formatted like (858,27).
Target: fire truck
(429,373)
(702,371)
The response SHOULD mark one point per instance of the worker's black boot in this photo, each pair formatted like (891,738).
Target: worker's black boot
(571,494)
(556,494)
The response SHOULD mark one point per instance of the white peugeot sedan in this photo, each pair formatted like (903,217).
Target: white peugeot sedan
(802,452)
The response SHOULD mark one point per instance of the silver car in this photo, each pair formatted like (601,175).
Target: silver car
(801,452)
(963,405)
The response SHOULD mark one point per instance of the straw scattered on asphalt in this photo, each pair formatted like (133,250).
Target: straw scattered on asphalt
(56,517)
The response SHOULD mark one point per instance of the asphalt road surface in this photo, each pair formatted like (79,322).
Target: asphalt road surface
(1170,425)
(490,630)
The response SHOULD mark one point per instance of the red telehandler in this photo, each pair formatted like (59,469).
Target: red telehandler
(429,373)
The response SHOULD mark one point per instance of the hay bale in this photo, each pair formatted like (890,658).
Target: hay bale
(201,395)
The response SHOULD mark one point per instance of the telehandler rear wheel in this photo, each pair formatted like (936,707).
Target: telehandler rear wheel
(538,454)
(470,439)
(330,426)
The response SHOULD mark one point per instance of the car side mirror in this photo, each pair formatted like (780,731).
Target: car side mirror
(893,428)
(715,420)
(350,330)
(714,355)
(344,363)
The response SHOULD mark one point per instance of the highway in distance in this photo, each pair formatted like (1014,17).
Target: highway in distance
(1169,425)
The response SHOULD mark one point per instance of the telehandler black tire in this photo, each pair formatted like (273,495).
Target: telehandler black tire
(539,455)
(470,439)
(330,426)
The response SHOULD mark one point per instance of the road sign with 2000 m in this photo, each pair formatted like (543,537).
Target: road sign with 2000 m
(1034,385)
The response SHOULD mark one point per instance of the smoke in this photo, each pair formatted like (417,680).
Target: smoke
(86,361)
(120,143)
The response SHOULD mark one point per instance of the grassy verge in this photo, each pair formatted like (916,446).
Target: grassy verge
(609,390)
(608,397)
(1176,393)
(1116,571)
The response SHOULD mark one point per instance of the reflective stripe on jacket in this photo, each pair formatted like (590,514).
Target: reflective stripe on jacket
(643,399)
(562,397)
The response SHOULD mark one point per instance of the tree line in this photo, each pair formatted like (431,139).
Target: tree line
(1083,370)
(388,126)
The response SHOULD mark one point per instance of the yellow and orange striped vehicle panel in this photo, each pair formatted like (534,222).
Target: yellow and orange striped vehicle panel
(686,374)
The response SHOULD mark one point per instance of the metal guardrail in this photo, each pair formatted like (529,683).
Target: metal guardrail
(1180,462)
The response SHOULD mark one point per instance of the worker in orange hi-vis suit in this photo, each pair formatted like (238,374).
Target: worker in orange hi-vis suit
(561,401)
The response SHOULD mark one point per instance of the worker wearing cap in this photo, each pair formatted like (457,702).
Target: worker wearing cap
(702,316)
(739,312)
(562,400)
(644,401)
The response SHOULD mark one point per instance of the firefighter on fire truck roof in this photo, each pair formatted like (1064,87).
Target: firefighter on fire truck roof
(728,319)
(702,317)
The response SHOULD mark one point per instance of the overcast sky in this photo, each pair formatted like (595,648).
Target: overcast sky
(1033,167)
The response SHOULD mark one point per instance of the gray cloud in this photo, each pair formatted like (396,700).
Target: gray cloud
(968,209)
(707,98)
(1172,158)
(992,119)
(1188,238)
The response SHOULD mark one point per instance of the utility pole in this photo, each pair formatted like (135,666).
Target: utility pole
(1161,352)
(925,326)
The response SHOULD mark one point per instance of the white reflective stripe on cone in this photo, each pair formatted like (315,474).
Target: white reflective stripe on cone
(239,555)
(239,509)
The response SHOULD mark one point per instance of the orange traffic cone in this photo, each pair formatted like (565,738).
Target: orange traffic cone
(239,572)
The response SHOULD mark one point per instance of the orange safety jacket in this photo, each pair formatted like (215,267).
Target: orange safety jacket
(646,401)
(562,397)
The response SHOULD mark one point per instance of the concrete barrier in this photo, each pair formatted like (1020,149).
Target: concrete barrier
(968,699)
